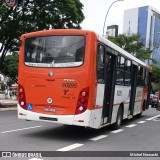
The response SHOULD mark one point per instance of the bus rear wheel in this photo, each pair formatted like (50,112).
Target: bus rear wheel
(119,118)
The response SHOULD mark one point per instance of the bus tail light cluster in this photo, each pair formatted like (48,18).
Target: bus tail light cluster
(21,97)
(82,101)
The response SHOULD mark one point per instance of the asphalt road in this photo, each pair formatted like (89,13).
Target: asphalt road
(135,135)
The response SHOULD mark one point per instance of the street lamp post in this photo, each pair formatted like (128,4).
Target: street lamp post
(108,12)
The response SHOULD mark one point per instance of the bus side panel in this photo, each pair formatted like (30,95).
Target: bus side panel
(138,101)
(121,96)
(97,90)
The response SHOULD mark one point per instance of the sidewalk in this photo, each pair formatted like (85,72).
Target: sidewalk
(8,104)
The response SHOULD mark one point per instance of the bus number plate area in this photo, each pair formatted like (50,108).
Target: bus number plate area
(52,110)
(49,109)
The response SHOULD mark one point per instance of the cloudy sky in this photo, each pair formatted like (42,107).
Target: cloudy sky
(95,12)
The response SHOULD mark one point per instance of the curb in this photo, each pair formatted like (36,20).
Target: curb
(8,105)
(8,109)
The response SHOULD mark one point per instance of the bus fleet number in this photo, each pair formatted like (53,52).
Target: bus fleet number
(69,85)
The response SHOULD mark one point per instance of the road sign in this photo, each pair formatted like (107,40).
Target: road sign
(10,3)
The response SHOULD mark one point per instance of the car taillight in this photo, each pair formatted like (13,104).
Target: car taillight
(21,97)
(82,101)
(155,97)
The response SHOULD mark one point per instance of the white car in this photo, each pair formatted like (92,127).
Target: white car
(2,95)
(153,100)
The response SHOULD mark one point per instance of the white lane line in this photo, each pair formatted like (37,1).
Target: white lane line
(131,125)
(141,122)
(21,129)
(153,117)
(35,159)
(117,131)
(98,137)
(68,148)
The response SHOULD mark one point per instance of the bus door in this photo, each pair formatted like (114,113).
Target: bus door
(133,88)
(149,88)
(109,81)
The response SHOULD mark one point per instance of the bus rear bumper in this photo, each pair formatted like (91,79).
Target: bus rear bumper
(78,120)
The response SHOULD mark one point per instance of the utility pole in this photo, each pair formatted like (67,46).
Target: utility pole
(107,14)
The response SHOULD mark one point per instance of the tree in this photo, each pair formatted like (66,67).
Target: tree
(155,77)
(156,74)
(10,66)
(133,45)
(36,15)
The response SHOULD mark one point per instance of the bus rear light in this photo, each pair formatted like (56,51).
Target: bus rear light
(81,108)
(21,97)
(84,93)
(82,101)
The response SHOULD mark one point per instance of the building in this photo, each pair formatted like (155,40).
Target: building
(112,31)
(144,21)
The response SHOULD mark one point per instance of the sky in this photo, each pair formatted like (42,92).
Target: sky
(95,12)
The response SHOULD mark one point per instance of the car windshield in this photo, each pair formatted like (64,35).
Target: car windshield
(156,93)
(1,92)
(54,51)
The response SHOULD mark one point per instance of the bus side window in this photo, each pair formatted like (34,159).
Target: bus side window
(141,76)
(146,78)
(120,71)
(127,73)
(100,64)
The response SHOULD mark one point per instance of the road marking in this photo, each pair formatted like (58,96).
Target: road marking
(131,125)
(141,122)
(98,137)
(156,119)
(153,117)
(21,129)
(117,131)
(73,146)
(35,159)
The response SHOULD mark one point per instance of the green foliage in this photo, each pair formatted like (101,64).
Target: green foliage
(36,15)
(10,66)
(2,86)
(130,44)
(155,86)
(133,45)
(156,74)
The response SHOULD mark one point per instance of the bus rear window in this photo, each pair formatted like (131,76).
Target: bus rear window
(54,51)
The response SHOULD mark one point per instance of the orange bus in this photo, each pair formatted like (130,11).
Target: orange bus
(77,77)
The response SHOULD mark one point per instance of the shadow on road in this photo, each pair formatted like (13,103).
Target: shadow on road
(67,133)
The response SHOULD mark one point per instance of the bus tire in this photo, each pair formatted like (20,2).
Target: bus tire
(119,118)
